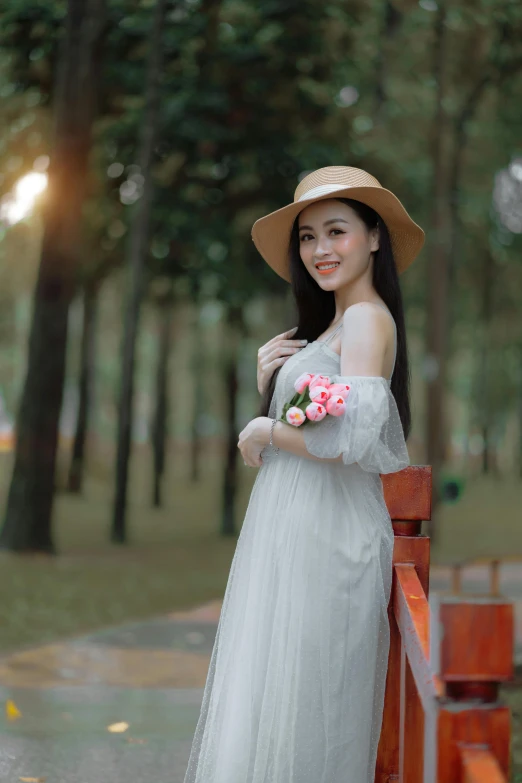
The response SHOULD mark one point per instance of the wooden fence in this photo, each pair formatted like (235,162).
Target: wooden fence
(443,721)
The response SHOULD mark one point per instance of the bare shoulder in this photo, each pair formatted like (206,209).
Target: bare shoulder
(365,340)
(367,318)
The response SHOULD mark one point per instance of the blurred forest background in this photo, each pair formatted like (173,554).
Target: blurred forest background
(139,141)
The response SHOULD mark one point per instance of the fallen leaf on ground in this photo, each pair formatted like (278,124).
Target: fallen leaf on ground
(118,728)
(33,780)
(11,710)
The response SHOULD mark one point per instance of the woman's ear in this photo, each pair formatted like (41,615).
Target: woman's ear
(374,240)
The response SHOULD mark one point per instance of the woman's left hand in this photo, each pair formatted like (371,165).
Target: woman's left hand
(253,439)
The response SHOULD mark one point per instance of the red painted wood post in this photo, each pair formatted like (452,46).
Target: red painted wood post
(472,650)
(479,766)
(411,744)
(408,498)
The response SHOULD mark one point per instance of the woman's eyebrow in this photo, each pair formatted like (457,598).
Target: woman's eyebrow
(326,223)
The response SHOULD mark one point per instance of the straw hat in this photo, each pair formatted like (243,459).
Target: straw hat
(271,233)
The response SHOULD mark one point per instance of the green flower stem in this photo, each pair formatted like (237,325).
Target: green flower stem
(298,401)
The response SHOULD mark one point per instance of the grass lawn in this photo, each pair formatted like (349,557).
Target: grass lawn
(484,523)
(175,557)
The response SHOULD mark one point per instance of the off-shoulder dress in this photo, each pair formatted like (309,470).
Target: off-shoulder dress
(295,686)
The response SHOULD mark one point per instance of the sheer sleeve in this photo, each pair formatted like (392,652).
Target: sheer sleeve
(369,432)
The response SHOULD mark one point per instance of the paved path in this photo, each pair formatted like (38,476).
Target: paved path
(149,675)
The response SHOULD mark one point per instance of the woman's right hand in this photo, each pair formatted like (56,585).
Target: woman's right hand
(273,354)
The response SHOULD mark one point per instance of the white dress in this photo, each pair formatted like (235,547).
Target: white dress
(295,687)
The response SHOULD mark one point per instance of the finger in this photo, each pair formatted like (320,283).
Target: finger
(247,458)
(275,364)
(275,360)
(293,343)
(277,352)
(272,348)
(285,345)
(283,335)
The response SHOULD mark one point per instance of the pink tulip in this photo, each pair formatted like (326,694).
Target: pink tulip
(320,380)
(295,416)
(341,389)
(336,405)
(319,394)
(315,412)
(302,382)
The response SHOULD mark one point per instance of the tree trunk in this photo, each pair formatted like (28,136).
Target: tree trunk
(87,362)
(484,380)
(198,364)
(461,134)
(161,410)
(136,254)
(27,524)
(438,272)
(391,22)
(199,403)
(228,525)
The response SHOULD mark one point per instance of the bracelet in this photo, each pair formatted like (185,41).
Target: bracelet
(276,449)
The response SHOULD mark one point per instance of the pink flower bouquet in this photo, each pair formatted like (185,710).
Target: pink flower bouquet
(315,398)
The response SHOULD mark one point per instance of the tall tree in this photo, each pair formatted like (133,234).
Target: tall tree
(87,362)
(96,266)
(137,251)
(198,380)
(164,301)
(27,524)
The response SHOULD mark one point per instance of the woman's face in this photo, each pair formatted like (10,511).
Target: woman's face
(334,243)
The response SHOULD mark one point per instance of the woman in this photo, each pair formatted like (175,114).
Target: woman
(295,688)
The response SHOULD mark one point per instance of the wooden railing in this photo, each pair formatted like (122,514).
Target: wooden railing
(442,722)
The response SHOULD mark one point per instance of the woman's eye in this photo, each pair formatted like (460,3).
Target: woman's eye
(305,236)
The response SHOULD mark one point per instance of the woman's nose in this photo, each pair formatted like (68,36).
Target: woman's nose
(323,246)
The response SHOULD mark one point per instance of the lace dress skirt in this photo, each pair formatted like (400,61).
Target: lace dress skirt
(295,687)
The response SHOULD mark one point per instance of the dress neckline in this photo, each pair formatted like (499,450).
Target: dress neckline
(329,337)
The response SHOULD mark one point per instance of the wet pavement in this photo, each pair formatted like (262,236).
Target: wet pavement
(148,675)
(62,734)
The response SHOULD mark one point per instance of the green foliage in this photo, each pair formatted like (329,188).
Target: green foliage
(31,32)
(255,94)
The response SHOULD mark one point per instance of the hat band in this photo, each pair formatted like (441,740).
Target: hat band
(320,190)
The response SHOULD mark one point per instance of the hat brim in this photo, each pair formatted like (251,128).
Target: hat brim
(271,233)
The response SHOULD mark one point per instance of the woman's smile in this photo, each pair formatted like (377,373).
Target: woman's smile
(325,268)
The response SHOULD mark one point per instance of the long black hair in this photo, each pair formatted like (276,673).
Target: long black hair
(316,308)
